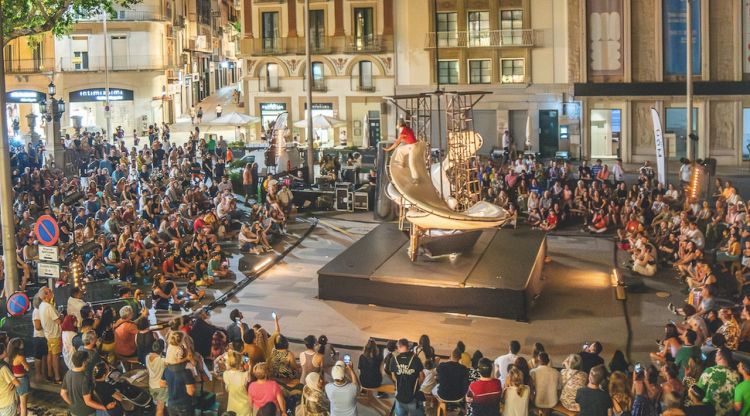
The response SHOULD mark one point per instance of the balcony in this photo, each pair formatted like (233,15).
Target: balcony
(363,44)
(319,45)
(29,66)
(264,46)
(138,14)
(517,38)
(116,63)
(318,85)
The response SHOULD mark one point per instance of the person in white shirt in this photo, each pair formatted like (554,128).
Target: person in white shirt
(548,384)
(685,171)
(75,303)
(52,332)
(218,110)
(504,361)
(618,172)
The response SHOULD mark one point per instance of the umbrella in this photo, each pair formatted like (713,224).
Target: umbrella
(321,122)
(234,119)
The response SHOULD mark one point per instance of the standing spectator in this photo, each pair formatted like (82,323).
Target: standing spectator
(77,388)
(155,365)
(314,400)
(619,393)
(125,332)
(180,385)
(192,116)
(685,172)
(452,378)
(618,172)
(20,368)
(249,187)
(39,342)
(406,372)
(218,110)
(264,392)
(75,303)
(52,332)
(719,382)
(484,394)
(742,391)
(199,115)
(369,366)
(547,384)
(594,401)
(341,393)
(646,391)
(8,385)
(235,382)
(504,361)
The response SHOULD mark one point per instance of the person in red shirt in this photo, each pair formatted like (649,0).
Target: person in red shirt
(484,394)
(125,330)
(406,136)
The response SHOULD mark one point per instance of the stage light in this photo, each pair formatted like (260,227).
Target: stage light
(615,278)
(262,264)
(696,182)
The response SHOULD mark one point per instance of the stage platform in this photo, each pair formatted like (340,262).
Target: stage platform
(499,277)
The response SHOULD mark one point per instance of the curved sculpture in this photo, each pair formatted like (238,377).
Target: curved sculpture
(427,209)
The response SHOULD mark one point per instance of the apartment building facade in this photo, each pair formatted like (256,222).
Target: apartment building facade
(515,50)
(629,56)
(352,65)
(156,71)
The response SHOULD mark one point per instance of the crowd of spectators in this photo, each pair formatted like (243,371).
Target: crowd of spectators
(156,215)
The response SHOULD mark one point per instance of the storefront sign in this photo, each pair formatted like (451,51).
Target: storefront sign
(100,94)
(321,106)
(272,107)
(24,96)
(605,39)
(675,37)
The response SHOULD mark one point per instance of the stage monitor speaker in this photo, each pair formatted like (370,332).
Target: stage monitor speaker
(361,201)
(342,199)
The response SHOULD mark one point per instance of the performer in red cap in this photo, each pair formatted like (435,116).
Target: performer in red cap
(406,136)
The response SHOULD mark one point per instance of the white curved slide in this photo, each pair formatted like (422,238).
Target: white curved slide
(428,210)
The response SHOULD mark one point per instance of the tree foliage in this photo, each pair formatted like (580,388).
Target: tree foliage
(33,17)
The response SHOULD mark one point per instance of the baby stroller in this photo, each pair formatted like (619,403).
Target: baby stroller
(132,385)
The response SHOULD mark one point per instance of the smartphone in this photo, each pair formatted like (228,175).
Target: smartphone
(638,367)
(347,359)
(246,359)
(273,315)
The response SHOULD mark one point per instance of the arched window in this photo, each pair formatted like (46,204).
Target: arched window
(365,76)
(272,77)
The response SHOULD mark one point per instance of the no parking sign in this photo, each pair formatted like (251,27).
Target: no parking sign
(47,231)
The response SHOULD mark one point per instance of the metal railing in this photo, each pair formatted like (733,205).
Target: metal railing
(116,63)
(29,66)
(318,45)
(138,14)
(318,85)
(366,44)
(486,38)
(264,46)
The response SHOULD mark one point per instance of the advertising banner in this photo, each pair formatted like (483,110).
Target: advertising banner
(674,14)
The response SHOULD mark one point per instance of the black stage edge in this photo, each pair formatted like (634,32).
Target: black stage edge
(500,277)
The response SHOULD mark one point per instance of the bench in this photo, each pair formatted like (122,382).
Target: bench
(559,409)
(371,399)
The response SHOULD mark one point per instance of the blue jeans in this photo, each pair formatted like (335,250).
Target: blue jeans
(414,408)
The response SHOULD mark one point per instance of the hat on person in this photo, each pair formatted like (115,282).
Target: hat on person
(337,372)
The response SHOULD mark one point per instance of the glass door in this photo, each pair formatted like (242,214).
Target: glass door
(605,128)
(363,27)
(317,29)
(675,133)
(270,28)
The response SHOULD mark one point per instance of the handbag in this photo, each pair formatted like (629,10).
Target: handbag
(300,410)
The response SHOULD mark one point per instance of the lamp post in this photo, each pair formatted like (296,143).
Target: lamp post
(53,110)
(691,151)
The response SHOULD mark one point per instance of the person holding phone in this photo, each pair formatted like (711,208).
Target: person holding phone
(341,393)
(236,379)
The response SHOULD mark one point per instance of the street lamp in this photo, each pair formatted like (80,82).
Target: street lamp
(52,109)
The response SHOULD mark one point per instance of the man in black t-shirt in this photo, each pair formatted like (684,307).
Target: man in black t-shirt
(452,378)
(590,356)
(406,372)
(593,400)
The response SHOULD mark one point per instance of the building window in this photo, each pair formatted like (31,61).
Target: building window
(272,77)
(511,23)
(365,76)
(80,48)
(447,26)
(318,81)
(479,71)
(270,28)
(363,27)
(479,28)
(317,30)
(513,71)
(448,72)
